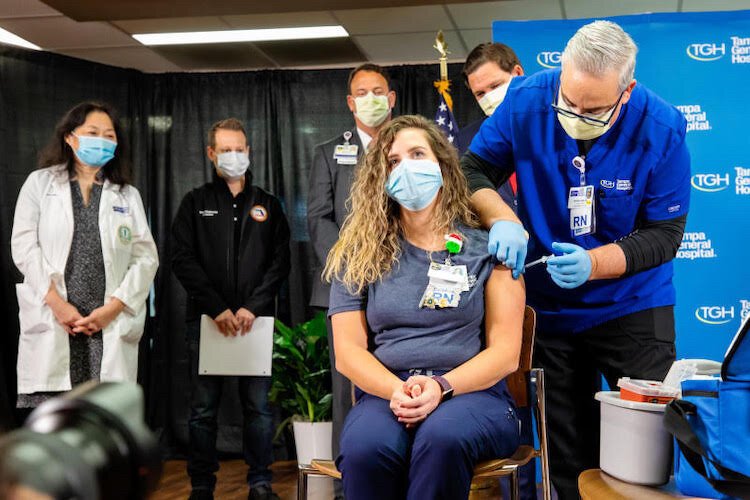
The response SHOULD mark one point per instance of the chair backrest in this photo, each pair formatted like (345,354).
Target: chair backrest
(518,380)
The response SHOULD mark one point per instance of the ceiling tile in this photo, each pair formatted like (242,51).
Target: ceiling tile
(283,20)
(577,9)
(171,24)
(63,33)
(408,47)
(98,10)
(140,58)
(316,53)
(481,15)
(702,5)
(217,57)
(394,20)
(25,8)
(475,37)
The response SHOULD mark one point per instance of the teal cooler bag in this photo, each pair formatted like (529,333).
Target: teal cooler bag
(711,426)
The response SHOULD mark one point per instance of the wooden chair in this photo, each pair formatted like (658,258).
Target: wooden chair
(526,385)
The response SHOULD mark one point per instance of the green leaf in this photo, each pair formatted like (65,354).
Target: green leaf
(301,375)
(280,428)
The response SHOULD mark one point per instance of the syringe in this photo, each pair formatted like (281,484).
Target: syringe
(538,261)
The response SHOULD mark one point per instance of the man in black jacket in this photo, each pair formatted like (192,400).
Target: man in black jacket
(231,253)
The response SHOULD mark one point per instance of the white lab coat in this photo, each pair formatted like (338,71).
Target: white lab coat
(40,244)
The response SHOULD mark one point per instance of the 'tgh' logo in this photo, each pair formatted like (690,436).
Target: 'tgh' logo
(549,59)
(706,51)
(714,315)
(710,183)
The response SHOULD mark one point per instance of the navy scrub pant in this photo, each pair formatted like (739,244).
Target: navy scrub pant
(380,458)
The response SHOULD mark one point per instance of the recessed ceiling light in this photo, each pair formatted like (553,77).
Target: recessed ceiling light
(11,39)
(256,35)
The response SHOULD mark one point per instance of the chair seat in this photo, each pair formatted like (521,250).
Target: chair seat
(490,468)
(327,467)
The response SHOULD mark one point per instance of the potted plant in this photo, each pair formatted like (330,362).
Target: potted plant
(301,385)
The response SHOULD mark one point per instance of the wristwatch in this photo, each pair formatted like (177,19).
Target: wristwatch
(446,387)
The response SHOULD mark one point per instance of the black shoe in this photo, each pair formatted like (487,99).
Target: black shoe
(263,492)
(201,494)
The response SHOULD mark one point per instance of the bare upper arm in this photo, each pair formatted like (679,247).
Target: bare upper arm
(505,299)
(349,330)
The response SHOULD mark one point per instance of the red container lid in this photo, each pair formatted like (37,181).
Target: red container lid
(649,391)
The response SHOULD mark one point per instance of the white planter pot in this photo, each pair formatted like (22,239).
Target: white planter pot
(313,440)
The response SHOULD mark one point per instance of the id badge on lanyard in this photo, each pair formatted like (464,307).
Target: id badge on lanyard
(581,203)
(346,154)
(446,284)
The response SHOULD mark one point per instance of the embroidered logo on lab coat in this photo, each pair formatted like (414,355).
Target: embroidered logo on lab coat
(124,234)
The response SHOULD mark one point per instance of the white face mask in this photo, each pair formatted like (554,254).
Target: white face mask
(372,110)
(491,100)
(233,164)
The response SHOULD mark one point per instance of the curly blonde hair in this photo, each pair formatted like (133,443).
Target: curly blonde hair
(368,245)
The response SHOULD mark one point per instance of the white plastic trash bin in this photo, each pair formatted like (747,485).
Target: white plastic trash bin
(634,447)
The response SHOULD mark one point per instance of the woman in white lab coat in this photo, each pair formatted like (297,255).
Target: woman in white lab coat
(81,240)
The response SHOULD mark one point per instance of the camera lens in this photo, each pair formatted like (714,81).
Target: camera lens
(88,444)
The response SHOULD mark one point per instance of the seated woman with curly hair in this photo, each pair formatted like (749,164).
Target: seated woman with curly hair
(427,334)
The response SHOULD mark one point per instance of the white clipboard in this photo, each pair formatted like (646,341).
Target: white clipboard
(243,355)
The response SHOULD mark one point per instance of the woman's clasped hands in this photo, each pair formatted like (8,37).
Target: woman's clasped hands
(415,399)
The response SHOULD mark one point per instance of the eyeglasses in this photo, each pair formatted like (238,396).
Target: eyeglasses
(585,119)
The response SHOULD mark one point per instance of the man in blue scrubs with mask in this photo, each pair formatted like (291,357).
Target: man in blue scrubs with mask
(604,183)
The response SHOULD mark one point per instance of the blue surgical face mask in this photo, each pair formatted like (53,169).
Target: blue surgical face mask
(95,151)
(413,184)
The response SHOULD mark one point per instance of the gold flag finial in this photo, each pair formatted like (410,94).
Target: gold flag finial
(442,47)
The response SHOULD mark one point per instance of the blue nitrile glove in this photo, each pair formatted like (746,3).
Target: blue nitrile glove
(571,269)
(508,242)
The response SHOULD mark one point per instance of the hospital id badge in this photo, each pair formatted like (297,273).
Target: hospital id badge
(346,154)
(447,275)
(440,297)
(581,206)
(445,286)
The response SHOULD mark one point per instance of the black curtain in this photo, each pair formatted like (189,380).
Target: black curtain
(286,114)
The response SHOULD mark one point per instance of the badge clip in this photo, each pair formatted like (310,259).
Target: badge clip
(453,243)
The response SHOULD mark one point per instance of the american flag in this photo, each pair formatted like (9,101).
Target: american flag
(446,121)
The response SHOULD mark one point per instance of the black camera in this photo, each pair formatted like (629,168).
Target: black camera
(89,444)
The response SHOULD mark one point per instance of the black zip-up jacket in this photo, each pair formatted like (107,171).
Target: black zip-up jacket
(203,250)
